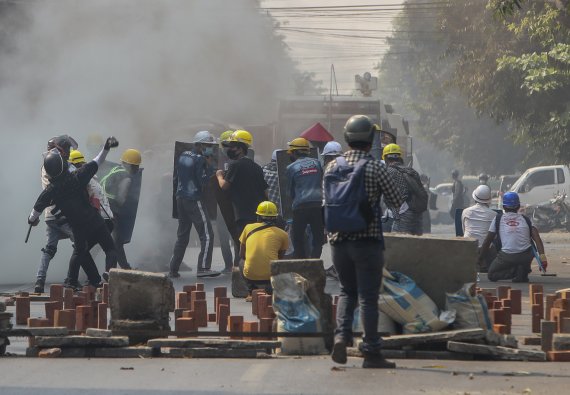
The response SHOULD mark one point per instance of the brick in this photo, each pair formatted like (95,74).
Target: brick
(94,314)
(266,325)
(264,301)
(508,318)
(64,318)
(56,292)
(105,298)
(178,313)
(235,324)
(201,313)
(86,294)
(534,288)
(219,292)
(539,300)
(503,292)
(535,316)
(185,325)
(182,300)
(548,304)
(497,316)
(515,295)
(500,328)
(222,301)
(497,305)
(34,322)
(22,310)
(558,316)
(255,300)
(559,356)
(50,308)
(564,294)
(197,295)
(565,325)
(506,303)
(222,316)
(563,304)
(82,317)
(212,317)
(547,329)
(102,316)
(200,287)
(68,299)
(251,326)
(78,301)
(188,289)
(188,314)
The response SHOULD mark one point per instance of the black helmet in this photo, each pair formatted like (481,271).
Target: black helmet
(359,129)
(64,143)
(54,164)
(454,173)
(483,177)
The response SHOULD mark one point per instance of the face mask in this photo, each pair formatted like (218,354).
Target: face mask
(208,151)
(232,154)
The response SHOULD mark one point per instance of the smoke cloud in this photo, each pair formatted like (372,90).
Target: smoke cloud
(145,71)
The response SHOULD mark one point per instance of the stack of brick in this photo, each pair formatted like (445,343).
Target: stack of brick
(262,308)
(555,325)
(5,317)
(502,304)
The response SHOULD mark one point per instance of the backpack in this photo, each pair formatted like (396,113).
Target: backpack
(497,241)
(346,205)
(418,199)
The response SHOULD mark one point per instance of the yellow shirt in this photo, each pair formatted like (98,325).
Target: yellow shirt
(261,248)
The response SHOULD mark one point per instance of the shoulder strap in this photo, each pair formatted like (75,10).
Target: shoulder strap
(498,243)
(527,220)
(264,226)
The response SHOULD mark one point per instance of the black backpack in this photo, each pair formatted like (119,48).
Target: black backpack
(418,198)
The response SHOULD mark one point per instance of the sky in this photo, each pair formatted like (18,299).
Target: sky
(312,43)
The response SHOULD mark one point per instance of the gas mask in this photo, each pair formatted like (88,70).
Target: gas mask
(208,151)
(232,153)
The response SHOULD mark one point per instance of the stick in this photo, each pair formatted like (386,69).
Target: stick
(28,234)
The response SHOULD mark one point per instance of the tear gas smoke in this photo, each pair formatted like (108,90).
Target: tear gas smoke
(145,71)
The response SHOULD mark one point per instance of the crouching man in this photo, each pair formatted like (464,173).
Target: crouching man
(513,235)
(261,243)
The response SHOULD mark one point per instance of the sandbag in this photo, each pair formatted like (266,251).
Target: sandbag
(470,308)
(408,305)
(296,314)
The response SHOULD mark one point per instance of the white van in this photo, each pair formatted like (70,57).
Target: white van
(539,184)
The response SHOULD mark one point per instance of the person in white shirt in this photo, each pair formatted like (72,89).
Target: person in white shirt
(513,237)
(476,221)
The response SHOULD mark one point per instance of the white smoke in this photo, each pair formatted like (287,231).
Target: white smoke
(135,69)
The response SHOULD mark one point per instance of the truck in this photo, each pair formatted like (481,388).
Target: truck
(539,184)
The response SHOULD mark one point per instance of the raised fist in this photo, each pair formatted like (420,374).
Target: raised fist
(111,143)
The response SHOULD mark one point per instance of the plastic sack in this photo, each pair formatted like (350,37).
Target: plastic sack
(471,309)
(296,314)
(408,305)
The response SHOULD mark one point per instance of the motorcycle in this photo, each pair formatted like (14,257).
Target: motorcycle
(554,214)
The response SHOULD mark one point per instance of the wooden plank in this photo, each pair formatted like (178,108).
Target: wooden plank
(81,341)
(209,352)
(414,354)
(218,343)
(497,352)
(398,341)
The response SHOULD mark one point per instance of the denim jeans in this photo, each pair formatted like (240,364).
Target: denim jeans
(54,233)
(359,267)
(303,217)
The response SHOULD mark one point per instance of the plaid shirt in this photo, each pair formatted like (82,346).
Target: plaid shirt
(270,175)
(377,182)
(397,171)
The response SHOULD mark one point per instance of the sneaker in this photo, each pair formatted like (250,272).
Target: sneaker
(207,273)
(338,354)
(73,284)
(39,288)
(377,362)
(173,275)
(105,276)
(227,270)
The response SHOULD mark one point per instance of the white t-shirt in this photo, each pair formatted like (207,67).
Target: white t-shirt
(515,233)
(476,221)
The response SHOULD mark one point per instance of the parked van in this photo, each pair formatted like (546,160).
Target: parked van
(539,184)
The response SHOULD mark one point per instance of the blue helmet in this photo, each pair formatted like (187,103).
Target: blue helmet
(511,200)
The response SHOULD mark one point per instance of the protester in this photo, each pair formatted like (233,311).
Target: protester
(426,219)
(514,235)
(224,235)
(458,194)
(270,175)
(483,179)
(358,254)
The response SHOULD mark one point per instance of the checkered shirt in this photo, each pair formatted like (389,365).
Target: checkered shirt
(377,183)
(270,175)
(397,171)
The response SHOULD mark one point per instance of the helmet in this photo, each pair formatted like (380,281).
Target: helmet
(242,136)
(132,157)
(482,194)
(454,173)
(76,157)
(359,129)
(204,137)
(391,149)
(54,164)
(483,177)
(267,209)
(332,148)
(511,200)
(226,135)
(298,144)
(63,143)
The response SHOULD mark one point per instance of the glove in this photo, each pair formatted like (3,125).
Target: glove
(111,143)
(33,222)
(544,261)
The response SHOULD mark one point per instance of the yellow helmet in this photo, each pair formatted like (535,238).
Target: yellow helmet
(242,136)
(391,149)
(76,157)
(299,143)
(132,157)
(226,135)
(267,209)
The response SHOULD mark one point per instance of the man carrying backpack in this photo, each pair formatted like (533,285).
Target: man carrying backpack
(513,235)
(408,216)
(353,185)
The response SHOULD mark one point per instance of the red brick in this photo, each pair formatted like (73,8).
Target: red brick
(68,299)
(102,316)
(200,287)
(500,328)
(251,326)
(219,292)
(222,301)
(564,294)
(197,295)
(56,292)
(503,292)
(515,296)
(538,299)
(78,301)
(64,318)
(508,318)
(43,322)
(185,325)
(565,325)
(188,314)
(563,304)
(94,316)
(201,313)
(82,317)
(255,299)
(235,324)
(547,329)
(49,353)
(212,317)
(222,316)
(535,316)
(188,289)
(182,300)
(34,322)
(264,301)
(266,325)
(506,303)
(534,288)
(105,293)
(559,356)
(179,312)
(50,308)
(497,305)
(22,310)
(548,304)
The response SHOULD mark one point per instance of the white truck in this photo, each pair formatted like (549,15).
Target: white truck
(539,184)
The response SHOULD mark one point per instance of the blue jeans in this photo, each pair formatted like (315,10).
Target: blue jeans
(54,234)
(359,267)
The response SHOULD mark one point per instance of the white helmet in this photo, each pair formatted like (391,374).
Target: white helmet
(332,148)
(482,194)
(204,137)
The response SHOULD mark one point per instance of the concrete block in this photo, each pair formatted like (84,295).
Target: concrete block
(68,303)
(515,295)
(93,332)
(64,318)
(535,316)
(56,292)
(547,329)
(22,310)
(208,352)
(102,316)
(50,308)
(438,265)
(81,341)
(561,342)
(235,324)
(107,352)
(222,317)
(503,353)
(140,296)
